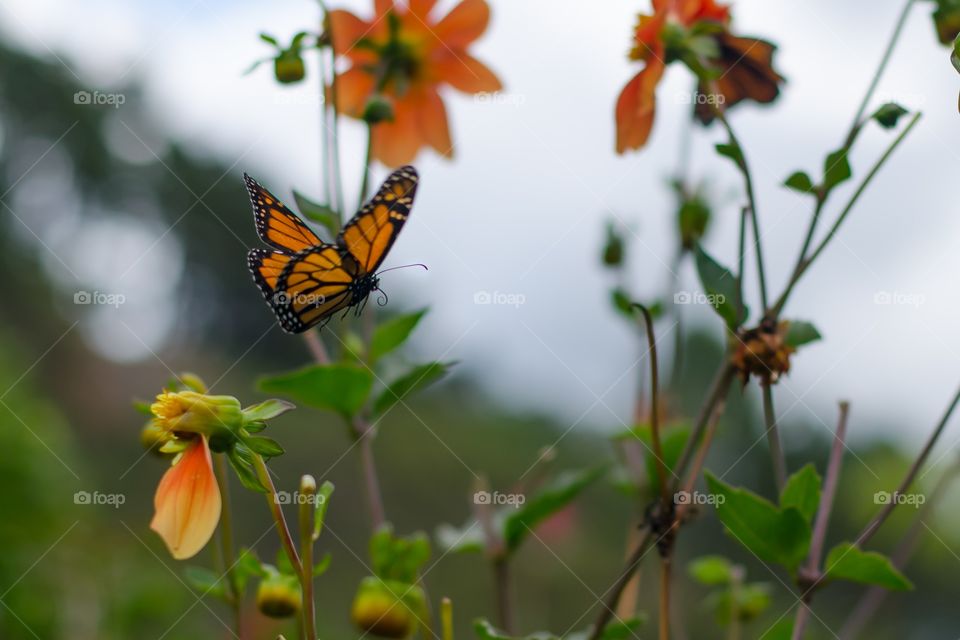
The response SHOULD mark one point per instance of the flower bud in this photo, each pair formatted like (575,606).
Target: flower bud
(288,68)
(153,437)
(279,595)
(188,412)
(387,608)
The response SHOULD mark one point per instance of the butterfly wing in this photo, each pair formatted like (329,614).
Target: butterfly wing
(304,289)
(276,224)
(370,234)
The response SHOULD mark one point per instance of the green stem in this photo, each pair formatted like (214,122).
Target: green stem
(368,158)
(773,438)
(335,137)
(655,409)
(308,487)
(273,502)
(226,541)
(364,434)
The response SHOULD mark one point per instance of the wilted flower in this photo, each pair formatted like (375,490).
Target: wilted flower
(697,33)
(400,59)
(763,352)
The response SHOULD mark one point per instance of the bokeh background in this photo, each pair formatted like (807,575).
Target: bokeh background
(145,200)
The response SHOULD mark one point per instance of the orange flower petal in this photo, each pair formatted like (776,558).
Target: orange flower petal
(397,143)
(421,8)
(464,72)
(354,88)
(465,23)
(636,107)
(346,30)
(432,121)
(187,503)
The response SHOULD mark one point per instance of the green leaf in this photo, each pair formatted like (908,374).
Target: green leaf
(848,562)
(416,379)
(398,558)
(241,459)
(323,501)
(802,491)
(774,535)
(751,601)
(267,447)
(622,303)
(247,566)
(337,387)
(731,151)
(721,287)
(836,169)
(617,629)
(673,439)
(269,39)
(800,333)
(284,565)
(466,539)
(393,333)
(889,114)
(267,410)
(322,214)
(321,567)
(206,582)
(555,496)
(711,570)
(799,181)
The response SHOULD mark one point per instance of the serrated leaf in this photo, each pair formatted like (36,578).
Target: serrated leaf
(772,534)
(889,114)
(721,287)
(711,570)
(564,489)
(800,333)
(848,562)
(323,502)
(802,491)
(342,388)
(322,214)
(414,380)
(799,181)
(267,447)
(206,582)
(836,169)
(267,410)
(393,333)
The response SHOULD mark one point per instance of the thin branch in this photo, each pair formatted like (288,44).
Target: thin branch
(632,565)
(773,438)
(666,565)
(660,465)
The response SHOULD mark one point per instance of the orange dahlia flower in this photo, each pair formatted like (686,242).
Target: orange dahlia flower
(743,65)
(403,56)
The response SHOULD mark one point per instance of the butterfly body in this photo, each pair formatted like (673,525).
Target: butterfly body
(305,280)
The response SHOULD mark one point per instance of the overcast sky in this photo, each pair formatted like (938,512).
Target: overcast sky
(521,209)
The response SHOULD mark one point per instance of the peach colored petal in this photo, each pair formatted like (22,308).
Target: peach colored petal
(346,30)
(465,23)
(432,121)
(380,7)
(465,73)
(354,88)
(397,143)
(636,107)
(187,502)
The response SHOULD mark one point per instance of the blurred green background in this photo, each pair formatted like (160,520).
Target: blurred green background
(67,425)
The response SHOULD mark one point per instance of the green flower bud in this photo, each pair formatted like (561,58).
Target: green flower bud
(279,595)
(378,109)
(387,608)
(188,412)
(613,250)
(288,67)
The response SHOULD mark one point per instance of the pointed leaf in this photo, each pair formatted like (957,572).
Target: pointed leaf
(721,287)
(393,333)
(711,570)
(848,562)
(322,214)
(416,379)
(800,333)
(799,181)
(336,387)
(267,410)
(206,582)
(323,501)
(802,491)
(242,462)
(836,169)
(267,447)
(889,114)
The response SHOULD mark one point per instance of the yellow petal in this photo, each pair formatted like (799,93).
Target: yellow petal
(187,502)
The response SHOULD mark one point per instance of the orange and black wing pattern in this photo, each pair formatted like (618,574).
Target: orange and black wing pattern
(370,234)
(276,224)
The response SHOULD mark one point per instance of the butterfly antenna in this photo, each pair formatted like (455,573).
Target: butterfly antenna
(382,299)
(404,266)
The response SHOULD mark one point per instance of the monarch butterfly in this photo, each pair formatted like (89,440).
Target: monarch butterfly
(306,280)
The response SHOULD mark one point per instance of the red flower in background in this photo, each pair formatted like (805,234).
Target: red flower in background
(678,29)
(399,61)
